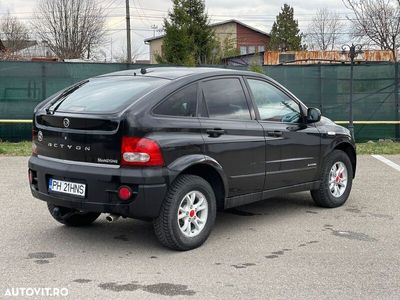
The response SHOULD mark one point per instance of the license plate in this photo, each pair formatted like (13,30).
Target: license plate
(67,187)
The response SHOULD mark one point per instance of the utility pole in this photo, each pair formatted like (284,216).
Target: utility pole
(128,34)
(396,99)
(352,52)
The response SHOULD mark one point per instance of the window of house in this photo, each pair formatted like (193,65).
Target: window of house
(251,49)
(243,50)
(183,103)
(225,99)
(261,48)
(273,104)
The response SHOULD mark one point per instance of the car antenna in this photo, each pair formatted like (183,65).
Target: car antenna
(143,71)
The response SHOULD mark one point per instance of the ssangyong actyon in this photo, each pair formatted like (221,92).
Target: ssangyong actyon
(173,145)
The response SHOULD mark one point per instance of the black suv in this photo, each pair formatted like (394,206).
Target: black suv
(173,145)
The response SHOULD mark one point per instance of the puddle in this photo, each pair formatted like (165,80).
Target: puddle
(165,289)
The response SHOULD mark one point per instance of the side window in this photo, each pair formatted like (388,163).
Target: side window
(273,104)
(225,99)
(182,103)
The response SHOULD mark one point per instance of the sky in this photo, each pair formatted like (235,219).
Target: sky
(147,15)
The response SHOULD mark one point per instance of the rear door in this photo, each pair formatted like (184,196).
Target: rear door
(232,136)
(298,143)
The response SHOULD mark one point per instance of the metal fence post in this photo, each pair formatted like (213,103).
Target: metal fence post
(351,116)
(320,89)
(44,92)
(396,98)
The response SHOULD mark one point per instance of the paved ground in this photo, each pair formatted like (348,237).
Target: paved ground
(281,248)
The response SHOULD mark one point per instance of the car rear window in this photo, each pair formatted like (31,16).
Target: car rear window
(108,94)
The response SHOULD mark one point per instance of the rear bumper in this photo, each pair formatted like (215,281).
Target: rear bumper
(149,186)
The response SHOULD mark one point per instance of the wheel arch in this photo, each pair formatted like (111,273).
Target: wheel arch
(205,167)
(350,150)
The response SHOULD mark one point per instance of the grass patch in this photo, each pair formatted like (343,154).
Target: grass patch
(378,148)
(25,148)
(16,149)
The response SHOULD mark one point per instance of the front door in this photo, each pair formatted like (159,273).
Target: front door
(286,132)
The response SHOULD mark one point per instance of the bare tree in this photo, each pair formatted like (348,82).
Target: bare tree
(72,28)
(324,30)
(15,34)
(378,21)
(120,53)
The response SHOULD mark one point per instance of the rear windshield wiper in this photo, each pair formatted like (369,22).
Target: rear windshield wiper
(60,99)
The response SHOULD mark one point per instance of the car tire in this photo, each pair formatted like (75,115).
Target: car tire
(336,181)
(71,217)
(187,214)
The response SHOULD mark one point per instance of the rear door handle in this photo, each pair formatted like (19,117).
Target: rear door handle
(216,132)
(275,133)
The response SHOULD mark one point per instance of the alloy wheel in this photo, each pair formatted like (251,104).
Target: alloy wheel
(192,213)
(338,177)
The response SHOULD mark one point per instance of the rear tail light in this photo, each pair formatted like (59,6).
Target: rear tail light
(136,151)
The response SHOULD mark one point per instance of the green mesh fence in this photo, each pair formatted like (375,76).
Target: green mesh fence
(375,98)
(24,84)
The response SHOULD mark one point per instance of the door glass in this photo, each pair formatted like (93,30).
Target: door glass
(225,99)
(273,104)
(182,103)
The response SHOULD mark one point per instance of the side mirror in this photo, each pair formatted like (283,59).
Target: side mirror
(313,115)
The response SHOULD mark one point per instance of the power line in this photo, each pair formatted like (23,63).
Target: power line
(106,30)
(116,24)
(141,15)
(166,11)
(110,4)
(243,17)
(146,17)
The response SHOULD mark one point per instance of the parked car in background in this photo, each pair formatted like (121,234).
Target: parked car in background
(173,145)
